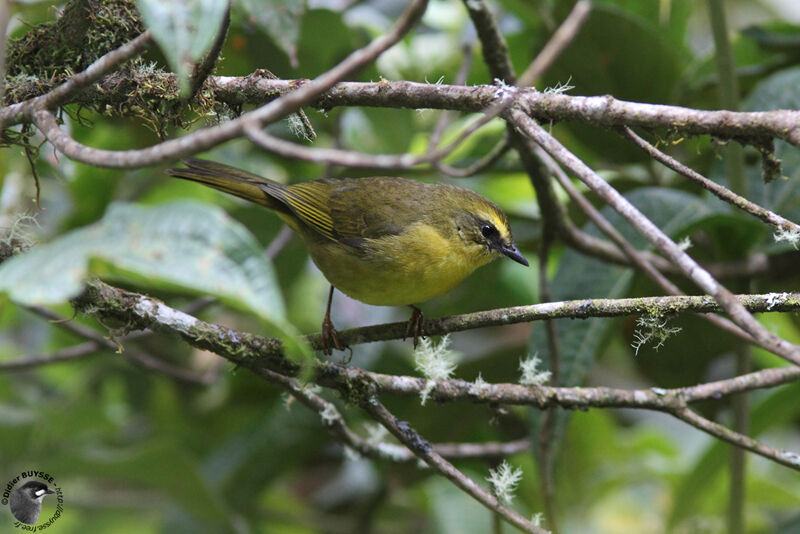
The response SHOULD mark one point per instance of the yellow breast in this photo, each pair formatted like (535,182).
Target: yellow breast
(415,266)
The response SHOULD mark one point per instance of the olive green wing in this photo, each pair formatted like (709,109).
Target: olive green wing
(309,201)
(370,208)
(343,210)
(350,210)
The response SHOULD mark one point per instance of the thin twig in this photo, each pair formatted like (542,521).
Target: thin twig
(202,70)
(460,79)
(757,264)
(353,158)
(493,44)
(61,94)
(558,42)
(658,239)
(548,417)
(100,342)
(206,138)
(735,172)
(332,419)
(721,192)
(73,353)
(486,161)
(497,152)
(278,242)
(5,15)
(788,459)
(740,408)
(636,258)
(411,439)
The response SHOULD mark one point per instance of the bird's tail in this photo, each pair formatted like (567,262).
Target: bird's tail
(231,180)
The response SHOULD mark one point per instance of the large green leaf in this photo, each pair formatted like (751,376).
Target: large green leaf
(184,30)
(280,19)
(779,91)
(618,53)
(185,245)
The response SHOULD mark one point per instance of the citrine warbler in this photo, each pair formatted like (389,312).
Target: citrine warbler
(384,241)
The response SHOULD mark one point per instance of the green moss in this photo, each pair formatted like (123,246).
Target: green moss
(356,391)
(86,30)
(50,53)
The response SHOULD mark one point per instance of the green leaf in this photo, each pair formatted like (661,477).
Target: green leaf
(280,19)
(340,40)
(775,35)
(454,512)
(621,54)
(184,30)
(185,245)
(779,91)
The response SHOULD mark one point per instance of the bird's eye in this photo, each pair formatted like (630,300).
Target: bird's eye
(487,231)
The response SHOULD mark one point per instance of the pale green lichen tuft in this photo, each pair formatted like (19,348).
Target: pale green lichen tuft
(504,481)
(436,362)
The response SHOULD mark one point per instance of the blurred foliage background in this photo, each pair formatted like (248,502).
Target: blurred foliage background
(138,451)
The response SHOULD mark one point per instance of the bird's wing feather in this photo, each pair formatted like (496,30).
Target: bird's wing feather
(309,202)
(335,207)
(332,208)
(388,214)
(220,169)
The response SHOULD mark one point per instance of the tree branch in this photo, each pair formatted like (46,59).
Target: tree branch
(603,111)
(636,258)
(252,351)
(333,420)
(658,239)
(146,312)
(419,446)
(262,354)
(60,95)
(721,192)
(207,138)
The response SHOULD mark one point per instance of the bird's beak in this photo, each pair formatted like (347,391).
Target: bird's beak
(512,252)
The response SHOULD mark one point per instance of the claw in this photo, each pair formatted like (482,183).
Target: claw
(330,338)
(415,326)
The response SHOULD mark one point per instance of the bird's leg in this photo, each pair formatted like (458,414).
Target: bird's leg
(416,325)
(330,339)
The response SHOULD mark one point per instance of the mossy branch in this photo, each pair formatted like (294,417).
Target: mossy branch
(264,355)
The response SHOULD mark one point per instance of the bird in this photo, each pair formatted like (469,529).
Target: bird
(26,501)
(385,241)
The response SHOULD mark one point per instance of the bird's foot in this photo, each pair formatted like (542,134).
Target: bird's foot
(415,326)
(330,338)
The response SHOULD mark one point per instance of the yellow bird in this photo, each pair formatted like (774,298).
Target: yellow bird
(384,241)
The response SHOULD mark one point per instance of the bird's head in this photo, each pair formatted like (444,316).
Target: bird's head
(35,490)
(484,229)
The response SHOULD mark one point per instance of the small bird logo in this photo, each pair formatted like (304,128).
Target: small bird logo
(26,501)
